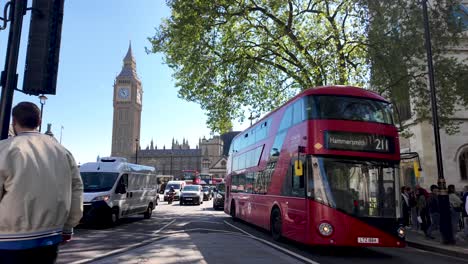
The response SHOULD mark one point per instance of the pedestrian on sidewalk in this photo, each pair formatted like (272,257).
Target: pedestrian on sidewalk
(423,215)
(434,212)
(455,209)
(405,207)
(40,192)
(465,211)
(413,209)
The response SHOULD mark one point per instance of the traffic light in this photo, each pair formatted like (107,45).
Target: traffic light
(42,55)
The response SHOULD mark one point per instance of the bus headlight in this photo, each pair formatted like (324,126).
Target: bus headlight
(401,232)
(325,229)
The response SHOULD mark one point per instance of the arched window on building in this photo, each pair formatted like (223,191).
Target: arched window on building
(463,161)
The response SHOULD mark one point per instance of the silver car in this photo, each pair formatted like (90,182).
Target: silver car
(191,194)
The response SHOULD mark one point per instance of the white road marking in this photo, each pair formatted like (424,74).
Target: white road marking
(121,250)
(202,229)
(287,251)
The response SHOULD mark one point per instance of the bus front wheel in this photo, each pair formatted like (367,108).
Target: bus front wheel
(276,224)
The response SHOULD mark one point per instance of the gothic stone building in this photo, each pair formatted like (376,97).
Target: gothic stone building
(208,157)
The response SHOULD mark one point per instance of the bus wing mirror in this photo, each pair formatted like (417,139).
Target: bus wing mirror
(298,168)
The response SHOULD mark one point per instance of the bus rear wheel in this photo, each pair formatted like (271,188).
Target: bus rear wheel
(276,224)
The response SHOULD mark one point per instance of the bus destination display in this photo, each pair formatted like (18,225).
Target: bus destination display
(357,142)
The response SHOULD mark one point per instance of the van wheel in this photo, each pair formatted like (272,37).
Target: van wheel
(114,217)
(149,212)
(276,224)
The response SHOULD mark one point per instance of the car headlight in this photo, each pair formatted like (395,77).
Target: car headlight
(219,196)
(325,229)
(104,198)
(401,232)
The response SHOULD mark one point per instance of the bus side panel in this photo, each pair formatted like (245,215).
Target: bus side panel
(294,213)
(262,207)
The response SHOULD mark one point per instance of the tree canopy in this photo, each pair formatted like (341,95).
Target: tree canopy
(245,57)
(398,58)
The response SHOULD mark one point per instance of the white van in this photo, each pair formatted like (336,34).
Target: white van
(114,188)
(177,185)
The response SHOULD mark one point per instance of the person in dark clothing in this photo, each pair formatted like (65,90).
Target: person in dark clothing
(405,207)
(434,211)
(413,209)
(465,210)
(421,205)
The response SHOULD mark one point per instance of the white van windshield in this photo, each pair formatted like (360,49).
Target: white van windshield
(173,185)
(98,181)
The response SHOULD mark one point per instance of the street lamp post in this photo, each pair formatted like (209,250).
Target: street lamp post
(444,205)
(136,151)
(42,100)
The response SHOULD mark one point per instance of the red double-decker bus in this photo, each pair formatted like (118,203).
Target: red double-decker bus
(191,176)
(321,170)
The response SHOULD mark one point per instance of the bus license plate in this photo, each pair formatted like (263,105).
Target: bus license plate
(368,240)
(188,198)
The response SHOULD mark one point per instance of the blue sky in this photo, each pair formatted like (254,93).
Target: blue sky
(95,38)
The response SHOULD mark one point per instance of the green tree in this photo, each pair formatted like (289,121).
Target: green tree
(398,61)
(237,56)
(233,56)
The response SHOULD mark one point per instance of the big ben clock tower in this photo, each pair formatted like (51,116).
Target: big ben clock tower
(127,109)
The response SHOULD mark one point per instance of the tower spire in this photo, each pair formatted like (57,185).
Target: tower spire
(129,65)
(129,59)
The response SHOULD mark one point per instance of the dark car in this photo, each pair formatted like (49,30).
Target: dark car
(218,196)
(207,193)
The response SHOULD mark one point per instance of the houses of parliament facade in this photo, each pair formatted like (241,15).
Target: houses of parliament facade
(209,156)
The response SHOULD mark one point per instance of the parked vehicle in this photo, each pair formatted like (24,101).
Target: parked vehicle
(191,194)
(177,185)
(114,188)
(218,196)
(207,193)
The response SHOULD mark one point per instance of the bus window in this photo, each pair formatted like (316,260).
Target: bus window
(298,113)
(286,120)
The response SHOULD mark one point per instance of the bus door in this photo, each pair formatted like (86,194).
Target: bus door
(295,208)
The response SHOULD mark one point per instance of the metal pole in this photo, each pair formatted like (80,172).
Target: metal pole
(40,124)
(61,131)
(444,204)
(9,78)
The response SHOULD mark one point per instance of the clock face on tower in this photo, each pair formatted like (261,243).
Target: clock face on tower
(123,93)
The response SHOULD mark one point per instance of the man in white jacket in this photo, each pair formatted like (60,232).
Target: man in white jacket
(40,192)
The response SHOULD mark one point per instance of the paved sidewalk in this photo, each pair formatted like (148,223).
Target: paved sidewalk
(418,240)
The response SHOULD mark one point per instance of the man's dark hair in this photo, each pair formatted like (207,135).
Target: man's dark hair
(451,188)
(27,115)
(434,187)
